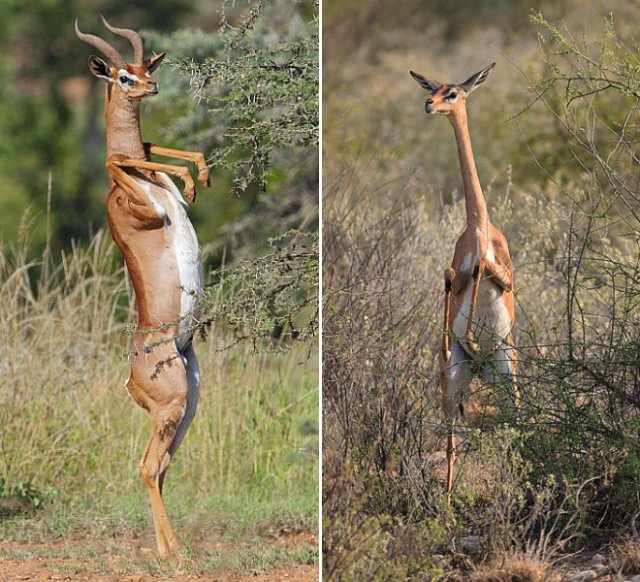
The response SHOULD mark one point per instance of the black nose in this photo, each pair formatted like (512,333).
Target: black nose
(153,90)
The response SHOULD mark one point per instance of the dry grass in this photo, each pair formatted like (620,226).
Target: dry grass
(67,417)
(627,556)
(515,568)
(71,439)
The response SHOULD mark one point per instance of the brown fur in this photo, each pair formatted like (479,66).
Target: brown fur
(479,235)
(158,380)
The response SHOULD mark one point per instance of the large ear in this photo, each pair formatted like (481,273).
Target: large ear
(154,62)
(480,77)
(428,84)
(99,68)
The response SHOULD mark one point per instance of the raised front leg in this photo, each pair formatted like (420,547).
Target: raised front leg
(178,171)
(196,158)
(449,276)
(477,276)
(143,207)
(502,275)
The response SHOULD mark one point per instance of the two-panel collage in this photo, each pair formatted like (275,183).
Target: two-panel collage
(320,290)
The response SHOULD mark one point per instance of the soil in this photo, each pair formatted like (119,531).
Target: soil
(87,559)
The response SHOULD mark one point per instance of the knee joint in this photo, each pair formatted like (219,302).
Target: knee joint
(168,429)
(149,475)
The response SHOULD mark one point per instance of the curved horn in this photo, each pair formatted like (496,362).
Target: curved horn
(132,36)
(103,46)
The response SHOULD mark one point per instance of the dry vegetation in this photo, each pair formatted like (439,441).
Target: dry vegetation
(536,490)
(515,568)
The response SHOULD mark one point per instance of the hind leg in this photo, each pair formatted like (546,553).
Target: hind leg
(455,376)
(193,393)
(501,371)
(154,463)
(158,382)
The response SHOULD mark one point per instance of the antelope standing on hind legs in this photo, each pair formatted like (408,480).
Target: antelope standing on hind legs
(479,304)
(148,219)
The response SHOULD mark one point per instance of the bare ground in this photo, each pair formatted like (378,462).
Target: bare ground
(133,561)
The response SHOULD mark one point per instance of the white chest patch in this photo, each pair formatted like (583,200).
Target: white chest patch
(490,255)
(466,264)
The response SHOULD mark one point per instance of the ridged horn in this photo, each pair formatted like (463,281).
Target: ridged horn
(132,36)
(103,46)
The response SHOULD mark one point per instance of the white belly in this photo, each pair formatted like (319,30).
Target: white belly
(188,257)
(491,321)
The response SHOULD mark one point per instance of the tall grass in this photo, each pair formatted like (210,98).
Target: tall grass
(69,430)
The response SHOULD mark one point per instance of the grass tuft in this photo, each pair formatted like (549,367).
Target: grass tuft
(627,556)
(515,568)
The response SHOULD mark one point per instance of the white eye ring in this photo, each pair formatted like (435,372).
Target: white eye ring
(126,81)
(452,97)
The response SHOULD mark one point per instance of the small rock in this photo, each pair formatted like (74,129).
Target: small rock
(598,559)
(470,545)
(583,576)
(635,578)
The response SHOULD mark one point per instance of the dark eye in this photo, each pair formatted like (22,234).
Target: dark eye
(452,95)
(123,79)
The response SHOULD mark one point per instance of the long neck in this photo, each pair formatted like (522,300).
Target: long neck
(123,125)
(475,204)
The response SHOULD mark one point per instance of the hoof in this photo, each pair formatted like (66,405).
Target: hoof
(190,195)
(171,555)
(203,177)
